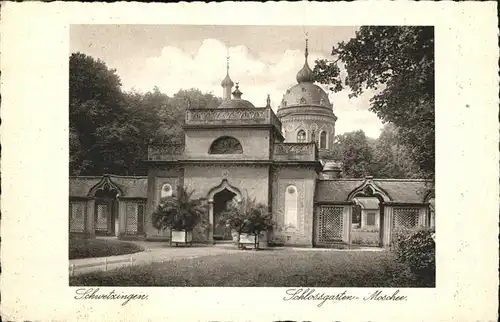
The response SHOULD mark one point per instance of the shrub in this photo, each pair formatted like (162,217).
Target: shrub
(87,247)
(417,249)
(247,216)
(180,212)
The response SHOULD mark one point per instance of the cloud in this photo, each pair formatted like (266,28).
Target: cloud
(174,69)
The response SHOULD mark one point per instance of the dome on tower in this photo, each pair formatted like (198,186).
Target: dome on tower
(227,81)
(305,93)
(236,101)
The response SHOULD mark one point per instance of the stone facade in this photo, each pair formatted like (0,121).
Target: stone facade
(240,150)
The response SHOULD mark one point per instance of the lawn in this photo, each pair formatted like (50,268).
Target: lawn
(80,247)
(271,268)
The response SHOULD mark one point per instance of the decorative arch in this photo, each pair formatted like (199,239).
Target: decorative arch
(226,145)
(223,185)
(105,185)
(323,139)
(369,189)
(429,195)
(301,136)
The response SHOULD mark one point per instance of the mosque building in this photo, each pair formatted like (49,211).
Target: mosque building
(238,150)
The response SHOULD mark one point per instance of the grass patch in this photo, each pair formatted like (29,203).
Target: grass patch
(284,268)
(80,247)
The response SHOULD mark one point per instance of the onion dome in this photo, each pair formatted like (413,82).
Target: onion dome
(227,84)
(305,93)
(305,75)
(227,81)
(237,93)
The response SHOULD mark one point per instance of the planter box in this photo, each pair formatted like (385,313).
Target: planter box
(181,237)
(251,241)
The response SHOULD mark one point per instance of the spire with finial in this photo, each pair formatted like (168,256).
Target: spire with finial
(268,101)
(305,75)
(237,93)
(227,84)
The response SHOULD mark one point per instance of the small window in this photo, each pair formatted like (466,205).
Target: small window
(370,219)
(301,136)
(322,140)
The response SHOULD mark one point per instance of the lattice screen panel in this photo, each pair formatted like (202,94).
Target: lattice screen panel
(132,218)
(405,218)
(330,224)
(101,222)
(77,218)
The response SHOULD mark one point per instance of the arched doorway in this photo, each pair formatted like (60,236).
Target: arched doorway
(366,222)
(218,199)
(106,212)
(221,201)
(370,191)
(105,194)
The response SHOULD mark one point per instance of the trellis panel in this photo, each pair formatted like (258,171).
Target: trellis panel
(330,224)
(405,218)
(77,217)
(134,218)
(101,220)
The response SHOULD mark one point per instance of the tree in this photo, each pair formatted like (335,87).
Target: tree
(110,130)
(392,158)
(398,63)
(353,150)
(100,130)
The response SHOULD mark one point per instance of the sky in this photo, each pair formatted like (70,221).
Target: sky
(263,59)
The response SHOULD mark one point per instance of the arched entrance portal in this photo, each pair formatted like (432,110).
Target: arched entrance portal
(105,194)
(221,201)
(371,218)
(218,199)
(106,212)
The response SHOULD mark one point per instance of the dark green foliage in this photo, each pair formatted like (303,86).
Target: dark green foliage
(391,157)
(353,150)
(398,63)
(180,211)
(247,216)
(417,250)
(80,247)
(110,129)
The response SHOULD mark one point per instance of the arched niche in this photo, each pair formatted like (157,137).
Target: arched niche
(225,145)
(166,191)
(291,206)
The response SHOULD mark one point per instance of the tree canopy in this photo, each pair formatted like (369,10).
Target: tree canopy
(110,129)
(397,62)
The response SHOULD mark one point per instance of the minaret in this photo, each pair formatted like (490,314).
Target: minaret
(227,84)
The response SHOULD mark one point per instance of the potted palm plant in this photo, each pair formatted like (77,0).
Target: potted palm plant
(248,219)
(181,214)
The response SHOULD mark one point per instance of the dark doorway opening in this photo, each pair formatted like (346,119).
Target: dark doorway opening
(221,201)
